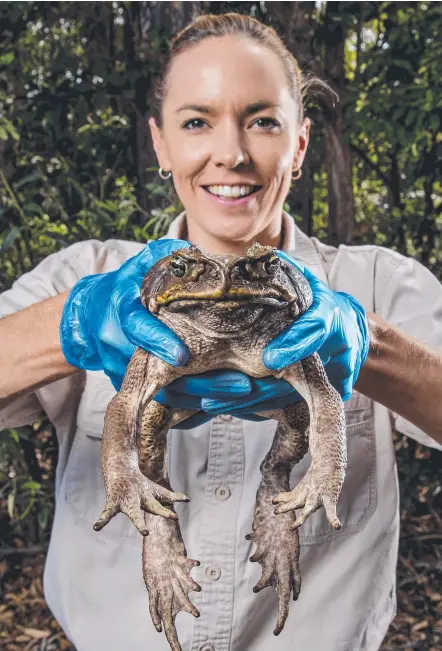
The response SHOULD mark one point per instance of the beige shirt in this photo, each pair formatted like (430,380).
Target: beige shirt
(93,581)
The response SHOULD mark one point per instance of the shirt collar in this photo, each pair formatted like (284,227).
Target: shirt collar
(295,242)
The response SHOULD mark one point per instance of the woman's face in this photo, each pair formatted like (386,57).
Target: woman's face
(230,128)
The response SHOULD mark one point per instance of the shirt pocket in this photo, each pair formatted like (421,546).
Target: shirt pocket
(358,498)
(84,485)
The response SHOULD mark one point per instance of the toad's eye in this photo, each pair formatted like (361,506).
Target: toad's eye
(178,267)
(271,264)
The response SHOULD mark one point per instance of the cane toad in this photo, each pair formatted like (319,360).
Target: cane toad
(226,309)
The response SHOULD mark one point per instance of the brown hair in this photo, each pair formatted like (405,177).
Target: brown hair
(212,25)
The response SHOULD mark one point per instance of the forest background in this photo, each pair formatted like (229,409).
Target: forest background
(76,162)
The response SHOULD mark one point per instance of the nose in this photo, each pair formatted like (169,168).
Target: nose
(230,148)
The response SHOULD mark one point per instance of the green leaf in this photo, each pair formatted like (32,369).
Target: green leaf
(11,504)
(434,123)
(12,130)
(32,208)
(14,435)
(27,179)
(31,485)
(9,239)
(43,517)
(6,59)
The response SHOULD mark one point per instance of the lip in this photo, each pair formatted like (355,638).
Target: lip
(226,301)
(232,203)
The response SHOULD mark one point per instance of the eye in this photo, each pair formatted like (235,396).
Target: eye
(271,264)
(193,124)
(178,267)
(267,123)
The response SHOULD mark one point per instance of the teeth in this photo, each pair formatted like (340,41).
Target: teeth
(231,190)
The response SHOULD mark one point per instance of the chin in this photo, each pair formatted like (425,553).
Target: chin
(237,233)
(235,228)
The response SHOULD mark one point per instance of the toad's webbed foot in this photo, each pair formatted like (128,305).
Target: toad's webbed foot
(166,572)
(131,492)
(277,551)
(318,487)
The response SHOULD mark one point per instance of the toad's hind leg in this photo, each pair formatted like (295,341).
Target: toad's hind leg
(322,483)
(166,568)
(277,543)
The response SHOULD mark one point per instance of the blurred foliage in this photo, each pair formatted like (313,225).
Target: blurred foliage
(394,111)
(67,147)
(76,162)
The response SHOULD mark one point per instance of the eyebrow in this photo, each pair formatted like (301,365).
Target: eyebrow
(250,109)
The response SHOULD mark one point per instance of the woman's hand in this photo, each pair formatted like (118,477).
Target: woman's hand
(103,320)
(226,392)
(335,326)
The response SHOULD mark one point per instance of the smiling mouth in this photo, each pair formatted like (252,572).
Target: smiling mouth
(232,193)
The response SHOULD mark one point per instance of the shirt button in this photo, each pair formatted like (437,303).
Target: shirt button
(207,647)
(222,493)
(213,573)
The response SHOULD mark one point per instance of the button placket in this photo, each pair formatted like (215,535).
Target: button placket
(225,475)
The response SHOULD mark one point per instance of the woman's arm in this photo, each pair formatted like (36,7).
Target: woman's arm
(30,351)
(404,375)
(400,372)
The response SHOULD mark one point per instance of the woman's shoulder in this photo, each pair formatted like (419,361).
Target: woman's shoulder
(375,275)
(98,256)
(346,260)
(371,263)
(372,255)
(60,271)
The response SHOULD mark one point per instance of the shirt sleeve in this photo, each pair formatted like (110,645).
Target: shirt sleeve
(413,302)
(55,274)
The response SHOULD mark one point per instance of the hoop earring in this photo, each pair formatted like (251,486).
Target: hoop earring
(164,175)
(298,173)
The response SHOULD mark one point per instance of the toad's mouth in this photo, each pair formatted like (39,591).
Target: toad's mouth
(227,302)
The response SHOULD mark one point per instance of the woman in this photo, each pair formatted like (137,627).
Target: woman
(230,117)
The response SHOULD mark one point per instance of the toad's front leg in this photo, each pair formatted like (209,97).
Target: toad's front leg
(276,540)
(127,489)
(166,567)
(323,481)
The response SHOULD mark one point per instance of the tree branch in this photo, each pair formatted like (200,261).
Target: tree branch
(364,156)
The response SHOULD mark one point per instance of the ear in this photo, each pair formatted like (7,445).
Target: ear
(159,145)
(303,140)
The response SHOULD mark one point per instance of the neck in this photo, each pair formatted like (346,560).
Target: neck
(272,235)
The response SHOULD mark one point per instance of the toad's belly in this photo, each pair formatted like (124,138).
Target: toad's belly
(249,362)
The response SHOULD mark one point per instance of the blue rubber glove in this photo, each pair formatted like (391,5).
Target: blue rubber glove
(269,393)
(335,326)
(103,321)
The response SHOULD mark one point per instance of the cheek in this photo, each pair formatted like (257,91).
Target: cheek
(285,162)
(273,158)
(188,155)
